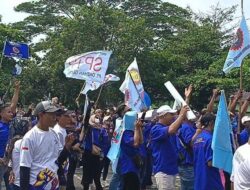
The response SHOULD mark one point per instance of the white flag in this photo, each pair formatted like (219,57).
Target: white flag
(91,66)
(91,85)
(132,88)
(240,48)
(179,99)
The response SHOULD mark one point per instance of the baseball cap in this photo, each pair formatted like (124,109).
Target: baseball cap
(45,106)
(64,111)
(245,119)
(165,109)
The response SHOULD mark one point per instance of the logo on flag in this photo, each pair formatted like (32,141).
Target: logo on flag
(19,50)
(133,89)
(91,66)
(239,49)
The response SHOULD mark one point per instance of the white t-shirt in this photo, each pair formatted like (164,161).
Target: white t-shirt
(16,161)
(39,152)
(241,168)
(61,132)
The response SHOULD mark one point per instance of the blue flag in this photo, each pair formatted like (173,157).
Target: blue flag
(114,151)
(239,49)
(12,49)
(221,142)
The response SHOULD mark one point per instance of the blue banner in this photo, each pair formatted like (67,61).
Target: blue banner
(13,49)
(221,142)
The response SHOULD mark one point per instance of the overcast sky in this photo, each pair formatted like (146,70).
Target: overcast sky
(9,15)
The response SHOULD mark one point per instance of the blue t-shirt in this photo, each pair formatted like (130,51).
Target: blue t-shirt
(128,151)
(185,133)
(206,178)
(4,137)
(243,137)
(163,151)
(106,141)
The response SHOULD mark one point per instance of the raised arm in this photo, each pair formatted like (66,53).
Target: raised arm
(188,93)
(210,105)
(234,101)
(138,138)
(245,106)
(15,97)
(174,126)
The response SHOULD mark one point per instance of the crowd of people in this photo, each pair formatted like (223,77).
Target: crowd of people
(41,148)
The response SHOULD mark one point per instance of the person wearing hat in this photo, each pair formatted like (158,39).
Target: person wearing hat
(163,151)
(41,150)
(206,176)
(7,111)
(244,135)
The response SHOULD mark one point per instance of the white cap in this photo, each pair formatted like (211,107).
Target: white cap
(165,109)
(245,119)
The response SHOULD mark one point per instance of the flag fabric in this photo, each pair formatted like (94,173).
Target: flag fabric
(91,85)
(221,142)
(114,151)
(132,88)
(91,66)
(239,49)
(17,70)
(16,49)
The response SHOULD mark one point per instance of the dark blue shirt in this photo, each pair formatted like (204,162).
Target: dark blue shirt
(106,141)
(128,152)
(163,150)
(184,138)
(4,137)
(243,137)
(206,177)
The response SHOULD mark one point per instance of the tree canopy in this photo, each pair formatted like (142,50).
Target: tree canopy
(169,42)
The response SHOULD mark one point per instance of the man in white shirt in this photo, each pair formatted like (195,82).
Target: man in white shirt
(64,120)
(41,151)
(240,177)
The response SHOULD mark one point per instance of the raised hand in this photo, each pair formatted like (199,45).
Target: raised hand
(188,91)
(70,138)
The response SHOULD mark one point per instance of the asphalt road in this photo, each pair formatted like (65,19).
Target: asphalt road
(78,176)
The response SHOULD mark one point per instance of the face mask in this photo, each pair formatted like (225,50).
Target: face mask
(97,121)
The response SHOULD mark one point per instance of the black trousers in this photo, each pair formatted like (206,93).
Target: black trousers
(106,163)
(227,180)
(71,171)
(131,181)
(92,167)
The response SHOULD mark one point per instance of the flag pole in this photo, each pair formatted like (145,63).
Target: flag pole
(98,97)
(77,98)
(242,10)
(136,88)
(241,82)
(3,53)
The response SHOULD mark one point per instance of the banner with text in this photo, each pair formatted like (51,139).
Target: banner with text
(91,66)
